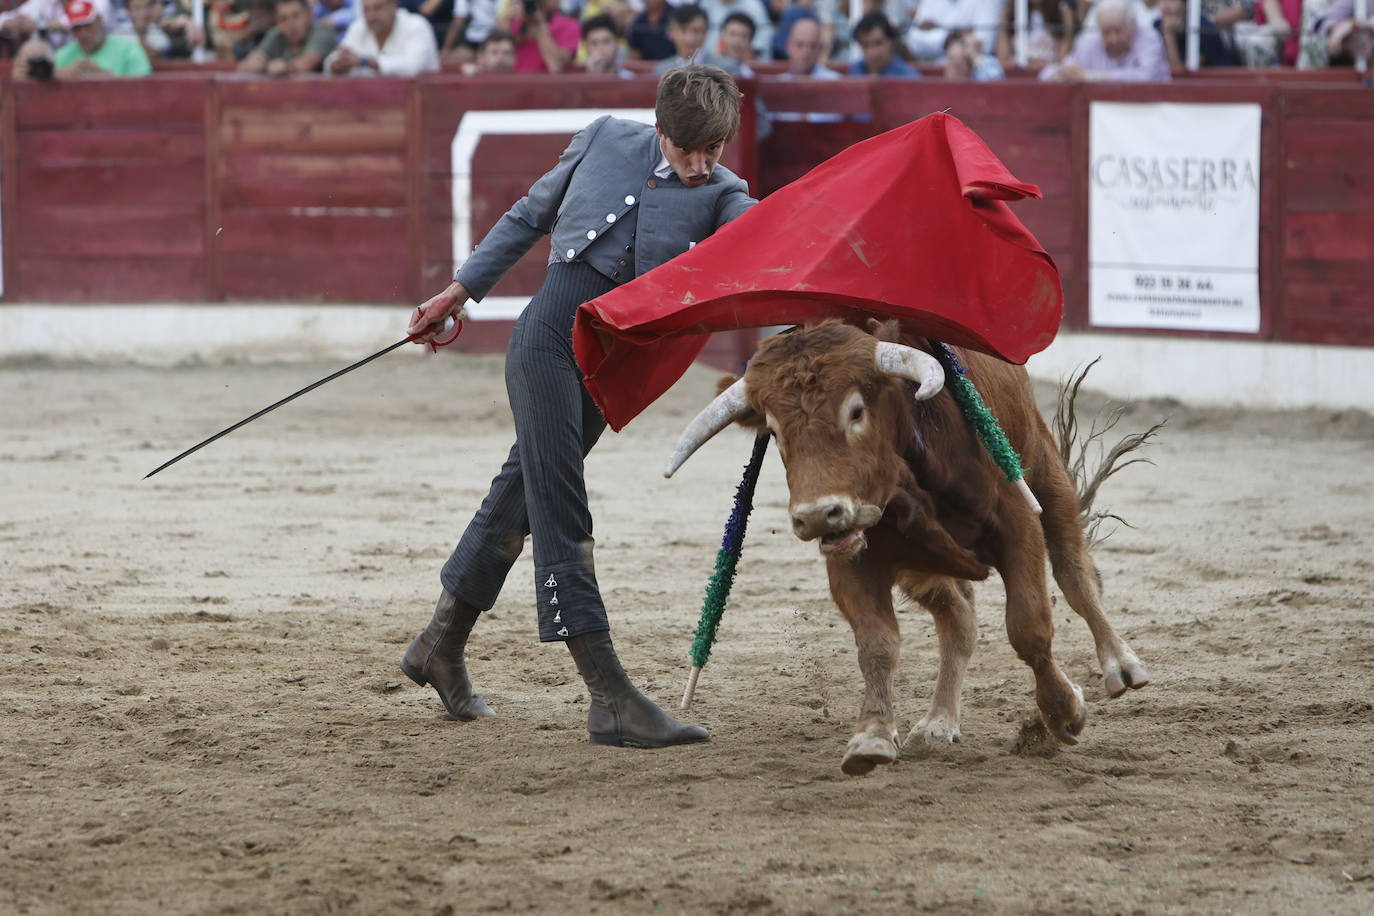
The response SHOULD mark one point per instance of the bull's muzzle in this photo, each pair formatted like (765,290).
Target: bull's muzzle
(838,521)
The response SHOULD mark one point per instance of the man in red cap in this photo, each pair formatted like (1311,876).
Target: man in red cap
(94,53)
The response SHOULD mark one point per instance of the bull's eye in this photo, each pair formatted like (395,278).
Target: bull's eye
(856,414)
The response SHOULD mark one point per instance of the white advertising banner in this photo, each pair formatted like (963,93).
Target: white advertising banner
(1173,216)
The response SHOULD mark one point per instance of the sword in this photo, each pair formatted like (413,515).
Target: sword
(448,325)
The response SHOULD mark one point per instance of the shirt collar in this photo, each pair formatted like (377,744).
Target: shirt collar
(664,169)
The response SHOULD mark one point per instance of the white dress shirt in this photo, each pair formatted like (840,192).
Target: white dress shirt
(409,49)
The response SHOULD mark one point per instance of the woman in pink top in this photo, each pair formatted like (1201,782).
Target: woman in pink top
(1281,16)
(546,40)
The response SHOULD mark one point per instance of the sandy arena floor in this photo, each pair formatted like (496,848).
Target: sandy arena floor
(202,711)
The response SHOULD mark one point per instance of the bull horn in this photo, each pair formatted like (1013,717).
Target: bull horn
(910,363)
(729,405)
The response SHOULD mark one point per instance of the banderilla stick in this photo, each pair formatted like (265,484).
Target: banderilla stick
(727,558)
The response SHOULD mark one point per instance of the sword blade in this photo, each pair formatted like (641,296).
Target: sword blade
(286,400)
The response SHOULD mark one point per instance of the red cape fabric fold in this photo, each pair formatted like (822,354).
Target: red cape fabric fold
(912,224)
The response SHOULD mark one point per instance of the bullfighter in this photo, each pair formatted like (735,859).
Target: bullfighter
(624,198)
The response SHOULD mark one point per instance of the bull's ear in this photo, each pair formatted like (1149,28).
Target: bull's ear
(884,330)
(750,419)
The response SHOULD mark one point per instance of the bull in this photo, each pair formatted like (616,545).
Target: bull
(887,474)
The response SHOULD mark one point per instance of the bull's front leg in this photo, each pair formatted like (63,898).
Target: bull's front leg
(864,596)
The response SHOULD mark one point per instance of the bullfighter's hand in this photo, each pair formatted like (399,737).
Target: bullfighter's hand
(428,320)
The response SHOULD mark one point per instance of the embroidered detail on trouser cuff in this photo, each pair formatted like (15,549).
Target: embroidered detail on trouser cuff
(568,602)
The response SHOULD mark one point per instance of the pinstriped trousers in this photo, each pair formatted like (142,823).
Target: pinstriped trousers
(540,490)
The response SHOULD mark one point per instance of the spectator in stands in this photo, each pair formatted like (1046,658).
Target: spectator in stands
(37,27)
(721,12)
(877,39)
(822,11)
(187,35)
(297,44)
(496,54)
(142,24)
(805,51)
(737,41)
(262,18)
(546,40)
(338,13)
(965,60)
(1050,29)
(1172,26)
(1339,39)
(473,20)
(687,27)
(1282,19)
(1259,29)
(92,52)
(648,34)
(601,44)
(387,41)
(1118,51)
(228,24)
(935,18)
(804,48)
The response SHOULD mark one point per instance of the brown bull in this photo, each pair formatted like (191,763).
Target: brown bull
(892,480)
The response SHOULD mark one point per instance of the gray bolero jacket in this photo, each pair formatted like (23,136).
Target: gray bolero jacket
(603,205)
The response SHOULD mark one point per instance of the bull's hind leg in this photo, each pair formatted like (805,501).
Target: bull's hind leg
(864,596)
(1078,579)
(950,602)
(1030,627)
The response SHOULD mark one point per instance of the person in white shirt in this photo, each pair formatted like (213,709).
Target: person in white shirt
(386,41)
(935,19)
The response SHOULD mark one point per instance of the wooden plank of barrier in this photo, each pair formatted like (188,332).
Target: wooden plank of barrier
(110,184)
(313,178)
(1327,218)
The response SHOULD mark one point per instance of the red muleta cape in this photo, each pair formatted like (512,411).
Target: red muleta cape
(910,224)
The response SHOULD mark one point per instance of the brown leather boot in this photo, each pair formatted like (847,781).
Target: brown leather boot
(620,715)
(435,657)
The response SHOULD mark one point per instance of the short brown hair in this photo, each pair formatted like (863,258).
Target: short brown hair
(697,106)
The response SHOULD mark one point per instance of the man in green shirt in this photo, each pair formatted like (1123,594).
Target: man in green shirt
(296,45)
(92,52)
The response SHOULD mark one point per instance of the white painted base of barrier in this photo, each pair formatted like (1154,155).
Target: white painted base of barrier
(1197,372)
(1214,372)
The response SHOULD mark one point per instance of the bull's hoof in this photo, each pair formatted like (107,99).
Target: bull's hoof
(937,731)
(1068,726)
(866,752)
(1125,672)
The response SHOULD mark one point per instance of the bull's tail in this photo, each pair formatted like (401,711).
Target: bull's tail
(1087,458)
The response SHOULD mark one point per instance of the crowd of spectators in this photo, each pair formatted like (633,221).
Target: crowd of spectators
(1065,40)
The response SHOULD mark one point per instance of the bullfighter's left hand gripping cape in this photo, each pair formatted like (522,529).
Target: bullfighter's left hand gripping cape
(912,224)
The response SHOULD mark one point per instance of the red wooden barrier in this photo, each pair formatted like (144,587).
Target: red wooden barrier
(195,187)
(314,199)
(105,191)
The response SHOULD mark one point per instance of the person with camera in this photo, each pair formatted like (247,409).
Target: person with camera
(93,52)
(546,40)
